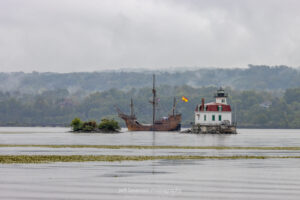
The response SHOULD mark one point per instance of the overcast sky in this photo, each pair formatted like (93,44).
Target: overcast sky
(91,35)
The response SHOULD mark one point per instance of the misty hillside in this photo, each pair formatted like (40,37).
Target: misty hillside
(254,109)
(253,77)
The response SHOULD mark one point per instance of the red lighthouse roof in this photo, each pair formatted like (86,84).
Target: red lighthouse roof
(214,107)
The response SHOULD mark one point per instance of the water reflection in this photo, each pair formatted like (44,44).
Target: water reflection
(153,151)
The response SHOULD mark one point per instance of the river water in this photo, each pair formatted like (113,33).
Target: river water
(161,179)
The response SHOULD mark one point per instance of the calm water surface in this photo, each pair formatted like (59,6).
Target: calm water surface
(246,137)
(161,179)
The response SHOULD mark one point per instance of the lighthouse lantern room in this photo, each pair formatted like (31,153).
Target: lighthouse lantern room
(214,113)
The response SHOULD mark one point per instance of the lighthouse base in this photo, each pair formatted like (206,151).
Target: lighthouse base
(213,129)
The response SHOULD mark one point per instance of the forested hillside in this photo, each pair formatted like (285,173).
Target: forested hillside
(253,77)
(255,109)
(262,96)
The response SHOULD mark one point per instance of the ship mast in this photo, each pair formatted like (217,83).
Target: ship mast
(174,105)
(154,99)
(131,108)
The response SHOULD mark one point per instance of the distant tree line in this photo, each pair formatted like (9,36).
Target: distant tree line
(254,109)
(83,83)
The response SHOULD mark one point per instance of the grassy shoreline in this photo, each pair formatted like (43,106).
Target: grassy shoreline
(26,159)
(150,147)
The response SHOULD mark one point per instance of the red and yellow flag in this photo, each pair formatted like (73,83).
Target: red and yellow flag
(184,99)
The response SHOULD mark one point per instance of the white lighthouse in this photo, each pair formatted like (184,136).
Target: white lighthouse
(214,113)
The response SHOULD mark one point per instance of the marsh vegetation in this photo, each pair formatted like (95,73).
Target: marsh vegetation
(151,147)
(7,159)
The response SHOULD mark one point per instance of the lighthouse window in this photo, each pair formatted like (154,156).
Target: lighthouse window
(204,117)
(220,117)
(219,108)
(213,118)
(223,100)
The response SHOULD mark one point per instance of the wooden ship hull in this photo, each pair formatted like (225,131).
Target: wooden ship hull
(170,123)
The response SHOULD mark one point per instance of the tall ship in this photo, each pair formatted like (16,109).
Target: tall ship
(170,123)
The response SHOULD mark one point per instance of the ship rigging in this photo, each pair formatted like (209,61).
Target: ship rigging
(170,123)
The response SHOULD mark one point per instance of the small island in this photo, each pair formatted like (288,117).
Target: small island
(105,126)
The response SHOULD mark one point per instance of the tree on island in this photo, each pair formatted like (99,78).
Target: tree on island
(109,125)
(76,124)
(105,126)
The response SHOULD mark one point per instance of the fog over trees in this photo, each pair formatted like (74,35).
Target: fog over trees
(254,77)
